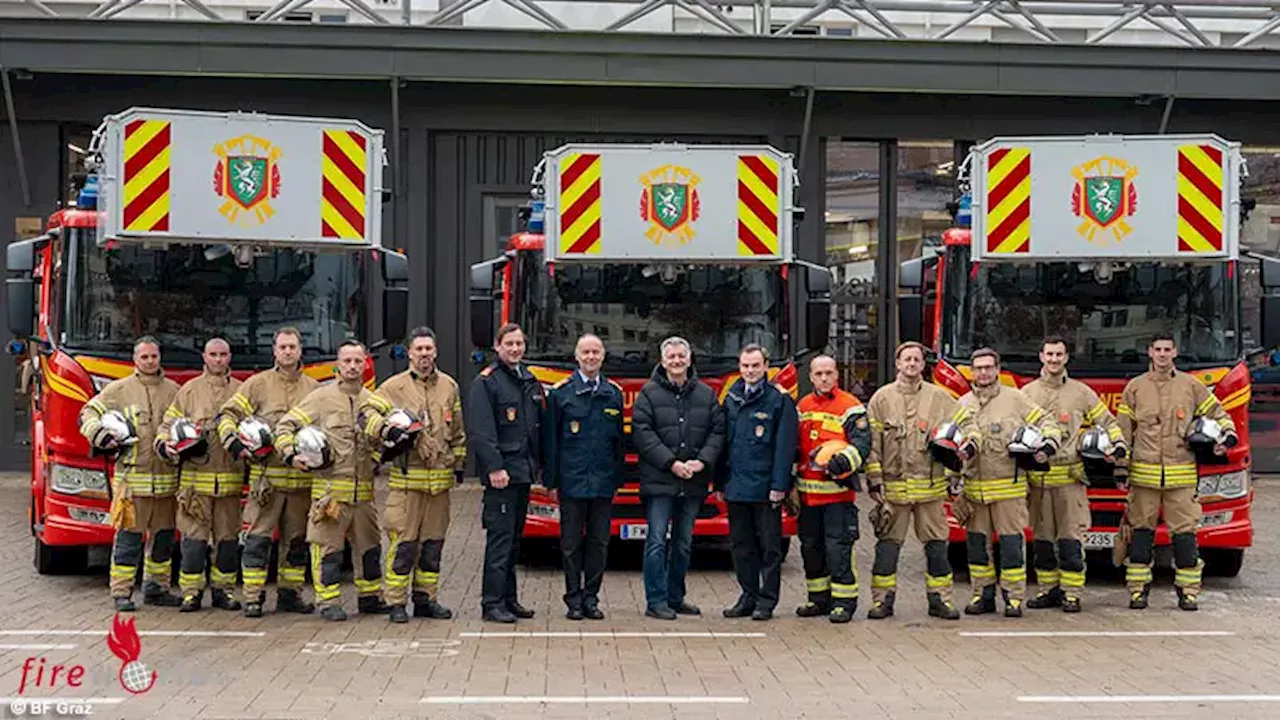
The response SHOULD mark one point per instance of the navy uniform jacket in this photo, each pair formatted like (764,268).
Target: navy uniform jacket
(583,438)
(504,423)
(760,435)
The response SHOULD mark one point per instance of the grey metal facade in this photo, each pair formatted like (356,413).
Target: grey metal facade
(463,149)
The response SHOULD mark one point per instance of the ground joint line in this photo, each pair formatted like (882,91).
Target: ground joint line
(583,700)
(1146,698)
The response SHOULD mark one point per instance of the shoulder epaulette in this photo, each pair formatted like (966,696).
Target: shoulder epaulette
(487,371)
(616,386)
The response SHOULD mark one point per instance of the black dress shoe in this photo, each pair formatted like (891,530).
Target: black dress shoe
(499,615)
(574,614)
(684,607)
(762,614)
(741,609)
(662,613)
(520,611)
(591,612)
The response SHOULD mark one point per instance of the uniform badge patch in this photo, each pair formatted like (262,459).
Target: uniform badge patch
(573,426)
(1064,418)
(511,414)
(448,416)
(761,416)
(1182,414)
(759,431)
(923,425)
(813,434)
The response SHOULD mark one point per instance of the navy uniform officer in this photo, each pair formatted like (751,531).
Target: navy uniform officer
(583,438)
(504,419)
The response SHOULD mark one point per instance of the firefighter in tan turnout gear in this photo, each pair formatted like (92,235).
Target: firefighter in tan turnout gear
(1012,435)
(1171,421)
(908,484)
(1058,502)
(416,417)
(279,495)
(210,481)
(121,421)
(323,435)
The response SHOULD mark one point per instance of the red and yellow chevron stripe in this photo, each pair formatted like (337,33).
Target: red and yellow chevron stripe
(580,204)
(343,162)
(146,176)
(757,205)
(1200,196)
(1008,221)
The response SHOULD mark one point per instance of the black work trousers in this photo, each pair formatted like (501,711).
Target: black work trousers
(584,546)
(502,515)
(755,540)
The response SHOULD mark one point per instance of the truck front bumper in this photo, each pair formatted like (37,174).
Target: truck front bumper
(74,521)
(543,518)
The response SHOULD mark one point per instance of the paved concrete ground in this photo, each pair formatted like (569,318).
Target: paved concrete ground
(220,665)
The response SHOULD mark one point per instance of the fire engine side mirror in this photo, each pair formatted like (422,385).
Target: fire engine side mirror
(817,306)
(395,313)
(20,292)
(1269,274)
(484,285)
(911,303)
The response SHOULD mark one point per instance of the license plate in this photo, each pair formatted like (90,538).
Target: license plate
(1099,540)
(634,532)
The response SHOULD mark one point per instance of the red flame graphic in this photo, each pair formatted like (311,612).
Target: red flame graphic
(123,640)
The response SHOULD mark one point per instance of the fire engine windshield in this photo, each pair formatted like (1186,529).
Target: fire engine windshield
(633,307)
(1108,313)
(185,294)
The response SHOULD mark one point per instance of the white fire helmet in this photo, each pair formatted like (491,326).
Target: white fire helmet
(256,436)
(410,424)
(1023,446)
(1096,444)
(120,427)
(187,439)
(312,446)
(944,445)
(1205,432)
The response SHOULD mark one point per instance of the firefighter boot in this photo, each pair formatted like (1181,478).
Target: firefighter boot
(153,594)
(334,613)
(191,603)
(397,614)
(124,604)
(882,608)
(1050,598)
(1012,606)
(814,608)
(253,607)
(1187,600)
(1138,599)
(290,600)
(222,600)
(425,607)
(940,608)
(843,611)
(983,603)
(371,605)
(1070,603)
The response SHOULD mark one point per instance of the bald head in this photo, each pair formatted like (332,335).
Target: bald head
(589,352)
(217,356)
(823,374)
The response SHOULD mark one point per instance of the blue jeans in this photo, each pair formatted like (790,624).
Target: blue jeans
(665,566)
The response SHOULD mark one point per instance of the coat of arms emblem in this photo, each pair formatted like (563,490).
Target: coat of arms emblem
(1104,195)
(670,204)
(248,177)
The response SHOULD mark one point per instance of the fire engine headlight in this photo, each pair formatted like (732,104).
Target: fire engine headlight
(1227,486)
(75,481)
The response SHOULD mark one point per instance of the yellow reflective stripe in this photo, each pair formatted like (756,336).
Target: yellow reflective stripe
(342,489)
(1183,577)
(827,421)
(1137,573)
(1047,577)
(877,425)
(962,414)
(995,490)
(300,415)
(855,410)
(934,582)
(1018,574)
(213,483)
(433,481)
(156,568)
(1156,475)
(96,406)
(982,571)
(364,587)
(242,402)
(1096,412)
(853,456)
(460,451)
(884,582)
(123,571)
(293,575)
(821,584)
(873,467)
(1115,433)
(1072,579)
(371,425)
(818,487)
(424,578)
(912,490)
(173,412)
(380,403)
(1123,409)
(226,428)
(1057,475)
(1034,415)
(840,591)
(323,592)
(1206,405)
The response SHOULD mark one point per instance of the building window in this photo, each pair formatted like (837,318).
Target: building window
(852,224)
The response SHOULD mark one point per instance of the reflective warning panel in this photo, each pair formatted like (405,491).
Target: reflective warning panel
(178,175)
(1111,196)
(679,202)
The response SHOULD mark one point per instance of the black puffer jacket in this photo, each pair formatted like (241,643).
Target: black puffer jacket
(670,423)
